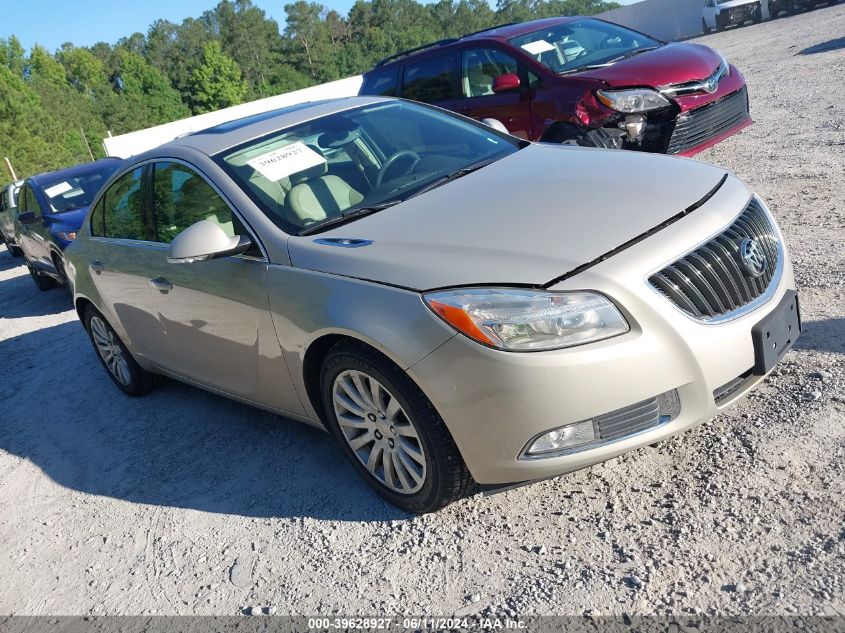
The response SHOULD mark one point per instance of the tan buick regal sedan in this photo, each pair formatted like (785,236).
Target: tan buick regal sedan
(461,309)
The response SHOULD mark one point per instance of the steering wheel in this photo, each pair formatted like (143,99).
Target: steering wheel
(390,162)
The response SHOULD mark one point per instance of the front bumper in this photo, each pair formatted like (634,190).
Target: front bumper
(494,402)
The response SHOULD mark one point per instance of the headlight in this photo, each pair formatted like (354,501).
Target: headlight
(724,67)
(69,237)
(528,320)
(632,100)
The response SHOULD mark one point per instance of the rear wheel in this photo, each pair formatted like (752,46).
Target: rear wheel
(390,431)
(42,282)
(126,373)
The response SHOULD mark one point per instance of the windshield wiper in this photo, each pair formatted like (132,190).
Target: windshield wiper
(437,182)
(627,55)
(348,216)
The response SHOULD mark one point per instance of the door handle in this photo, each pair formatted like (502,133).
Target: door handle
(96,266)
(161,284)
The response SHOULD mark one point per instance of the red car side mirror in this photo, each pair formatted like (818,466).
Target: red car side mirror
(506,82)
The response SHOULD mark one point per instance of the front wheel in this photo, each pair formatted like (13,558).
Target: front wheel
(42,282)
(390,431)
(126,373)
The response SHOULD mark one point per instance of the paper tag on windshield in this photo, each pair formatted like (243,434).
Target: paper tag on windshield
(540,46)
(57,190)
(285,161)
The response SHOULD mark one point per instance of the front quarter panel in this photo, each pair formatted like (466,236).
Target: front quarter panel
(307,306)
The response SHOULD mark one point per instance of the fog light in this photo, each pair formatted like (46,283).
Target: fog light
(564,437)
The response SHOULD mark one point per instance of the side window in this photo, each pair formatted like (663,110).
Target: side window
(381,83)
(23,200)
(429,81)
(97,229)
(123,211)
(480,67)
(181,198)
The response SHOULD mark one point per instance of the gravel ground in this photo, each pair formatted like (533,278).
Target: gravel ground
(187,503)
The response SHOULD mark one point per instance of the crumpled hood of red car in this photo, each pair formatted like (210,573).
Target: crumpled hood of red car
(670,64)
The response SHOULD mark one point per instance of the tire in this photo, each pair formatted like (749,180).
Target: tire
(15,251)
(58,262)
(42,282)
(435,474)
(706,29)
(757,17)
(124,371)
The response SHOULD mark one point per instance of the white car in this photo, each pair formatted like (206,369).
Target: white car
(718,14)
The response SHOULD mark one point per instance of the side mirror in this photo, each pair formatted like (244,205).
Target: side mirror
(495,124)
(505,83)
(205,240)
(27,217)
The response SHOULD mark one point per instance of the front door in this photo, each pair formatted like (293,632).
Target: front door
(479,69)
(119,256)
(32,237)
(215,314)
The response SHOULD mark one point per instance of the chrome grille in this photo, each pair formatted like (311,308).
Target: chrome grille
(707,122)
(713,282)
(629,420)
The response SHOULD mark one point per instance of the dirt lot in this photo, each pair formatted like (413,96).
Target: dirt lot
(184,502)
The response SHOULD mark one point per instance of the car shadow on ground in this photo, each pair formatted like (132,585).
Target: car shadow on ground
(178,446)
(826,335)
(824,47)
(23,299)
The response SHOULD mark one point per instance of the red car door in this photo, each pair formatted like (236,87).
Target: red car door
(480,68)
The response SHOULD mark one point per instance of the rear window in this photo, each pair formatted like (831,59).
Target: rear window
(381,83)
(431,80)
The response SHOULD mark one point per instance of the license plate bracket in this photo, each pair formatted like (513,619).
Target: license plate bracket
(776,333)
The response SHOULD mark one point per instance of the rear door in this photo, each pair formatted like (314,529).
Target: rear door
(432,80)
(480,66)
(215,314)
(121,256)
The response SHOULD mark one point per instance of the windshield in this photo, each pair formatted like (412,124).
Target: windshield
(582,44)
(361,160)
(68,194)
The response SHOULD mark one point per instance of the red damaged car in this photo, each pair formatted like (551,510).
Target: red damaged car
(576,80)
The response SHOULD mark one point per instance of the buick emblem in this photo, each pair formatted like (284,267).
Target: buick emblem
(752,257)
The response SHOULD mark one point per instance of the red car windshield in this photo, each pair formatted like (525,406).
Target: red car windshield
(574,46)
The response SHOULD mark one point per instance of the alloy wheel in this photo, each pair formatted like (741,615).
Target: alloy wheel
(110,350)
(379,432)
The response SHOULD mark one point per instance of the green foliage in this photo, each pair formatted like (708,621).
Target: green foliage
(227,55)
(217,82)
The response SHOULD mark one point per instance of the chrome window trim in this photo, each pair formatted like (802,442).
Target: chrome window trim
(751,305)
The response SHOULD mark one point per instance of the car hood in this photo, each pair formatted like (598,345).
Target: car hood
(669,64)
(68,221)
(524,220)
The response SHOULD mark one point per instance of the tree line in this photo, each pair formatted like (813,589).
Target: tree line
(51,103)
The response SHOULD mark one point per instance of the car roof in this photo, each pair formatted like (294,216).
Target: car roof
(70,172)
(497,33)
(221,137)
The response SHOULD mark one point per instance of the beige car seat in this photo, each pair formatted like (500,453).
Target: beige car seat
(476,83)
(316,195)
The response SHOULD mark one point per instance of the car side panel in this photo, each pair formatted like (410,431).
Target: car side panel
(308,305)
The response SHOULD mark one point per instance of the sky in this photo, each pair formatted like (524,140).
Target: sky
(86,22)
